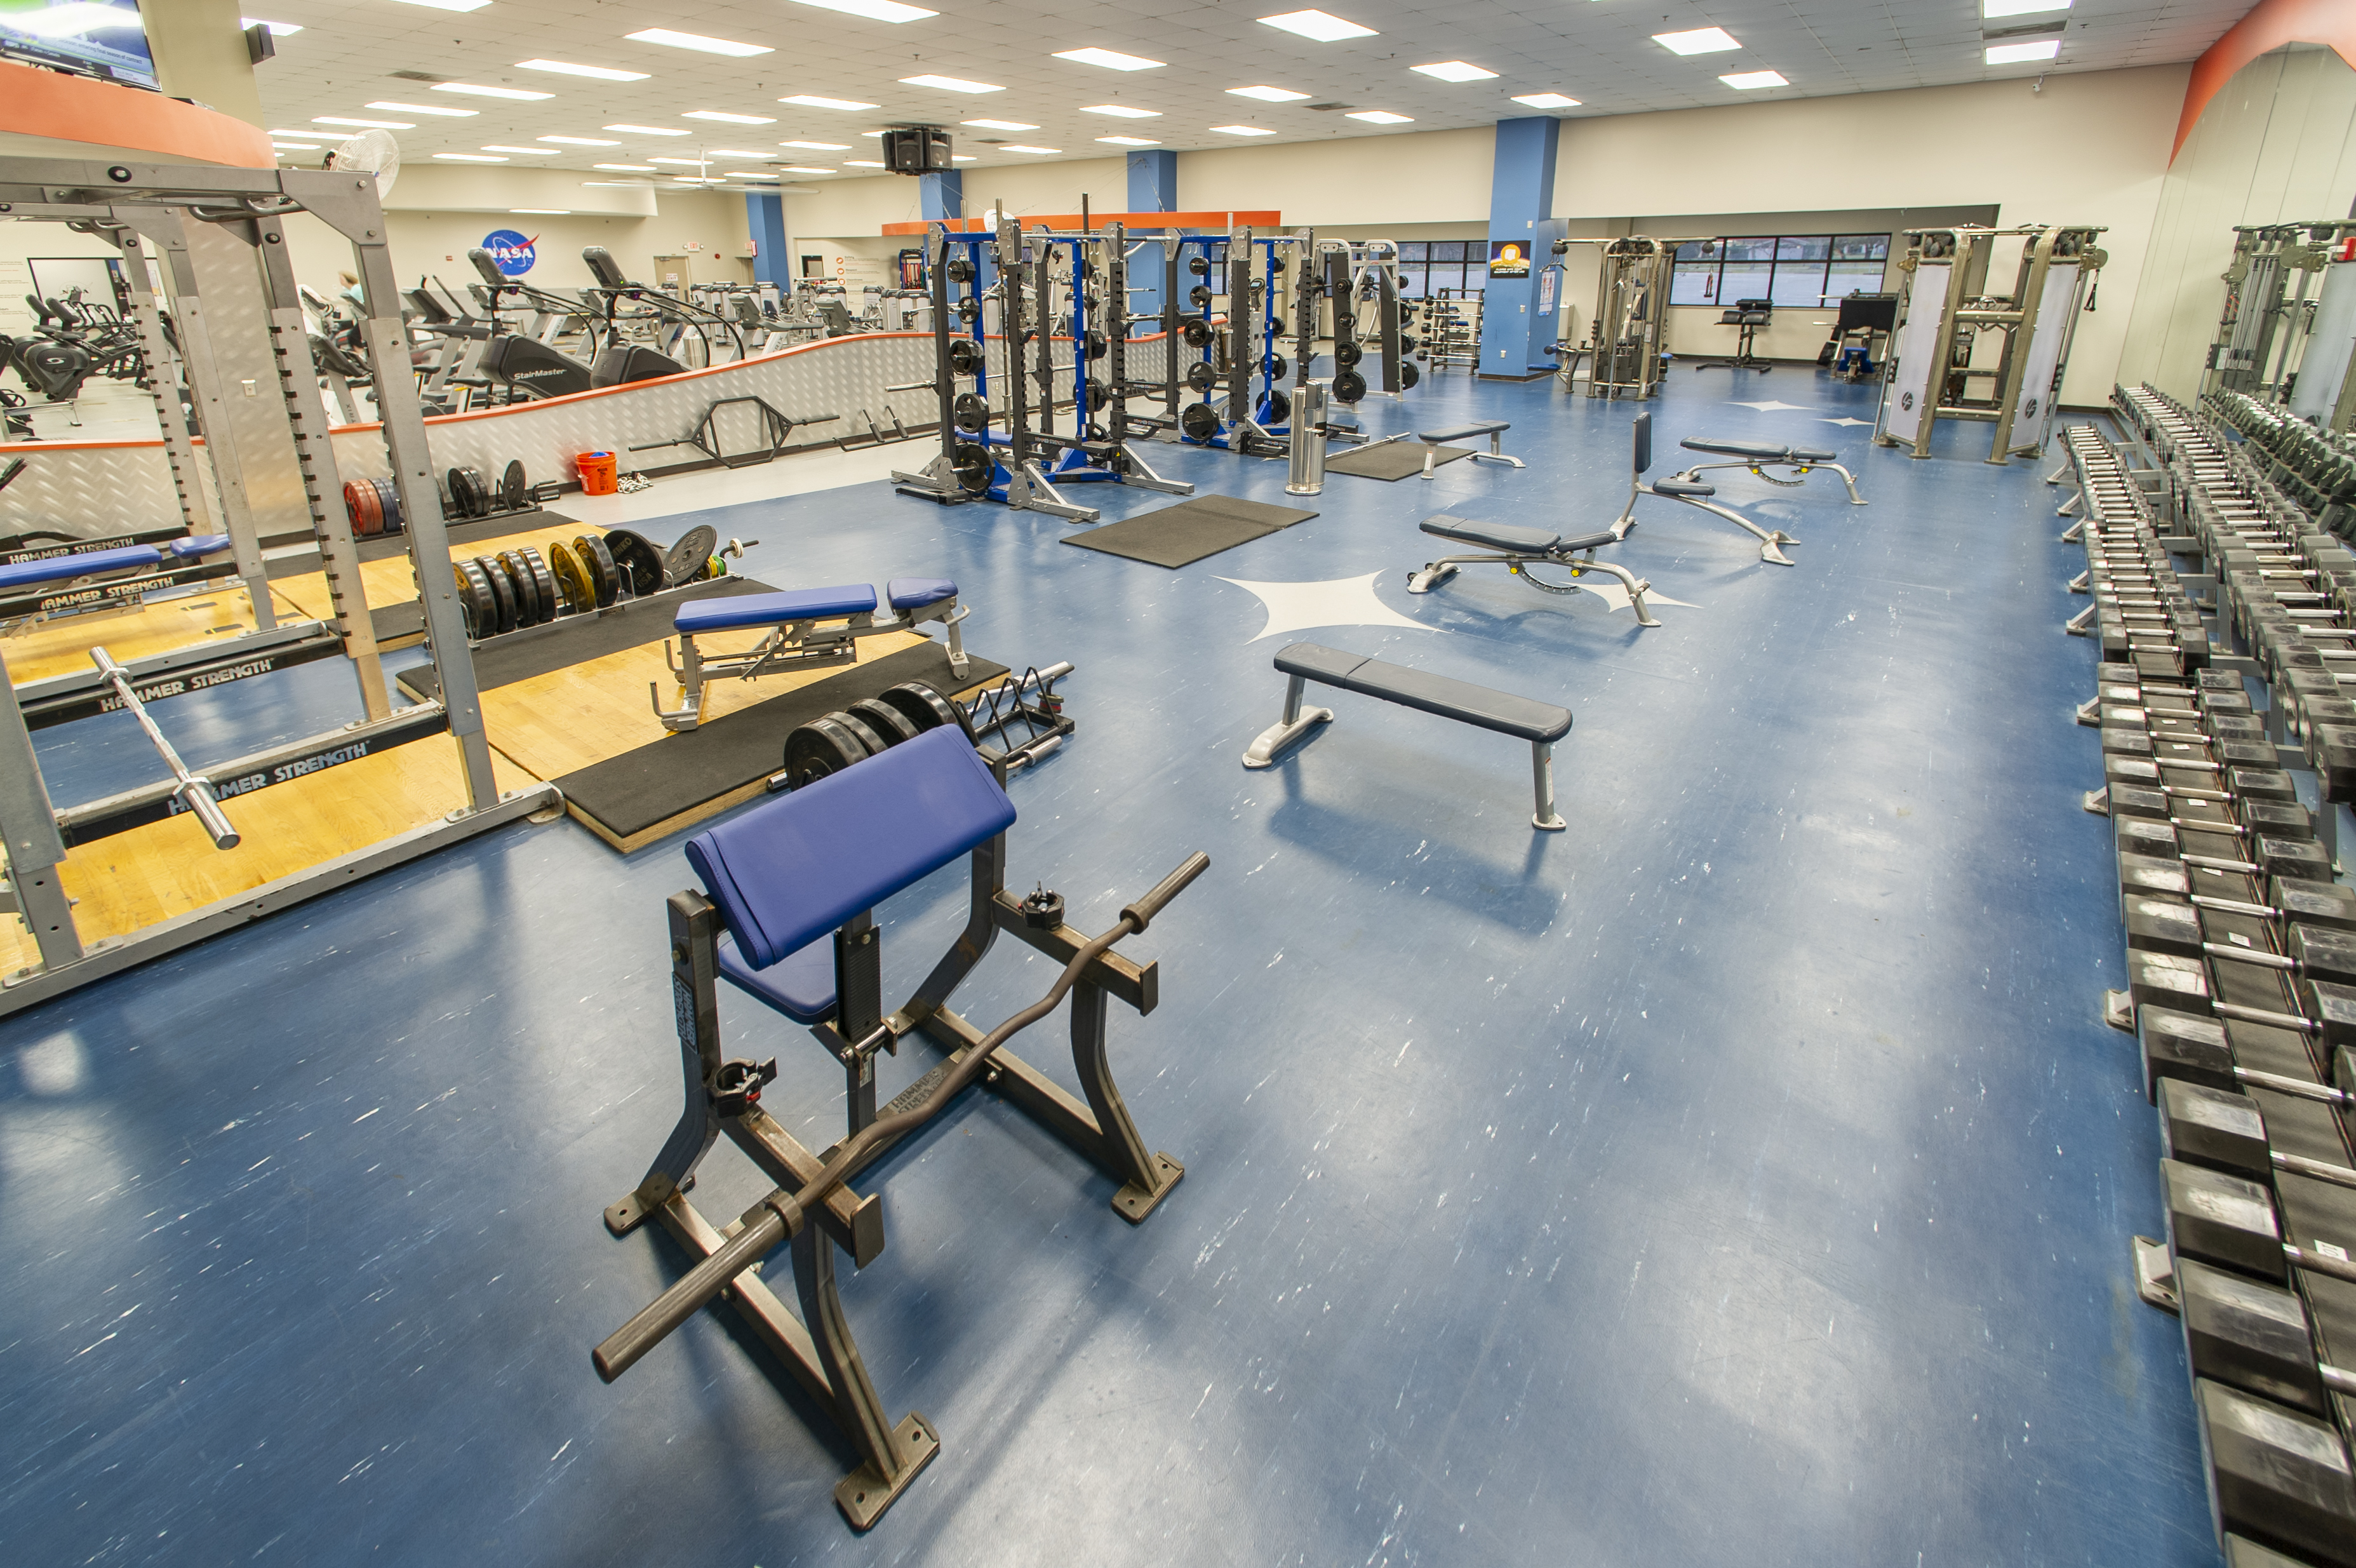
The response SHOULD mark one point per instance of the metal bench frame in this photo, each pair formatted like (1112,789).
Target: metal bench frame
(1495,454)
(794,645)
(1758,466)
(1576,555)
(1770,540)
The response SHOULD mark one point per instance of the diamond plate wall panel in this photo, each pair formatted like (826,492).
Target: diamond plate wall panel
(91,489)
(229,282)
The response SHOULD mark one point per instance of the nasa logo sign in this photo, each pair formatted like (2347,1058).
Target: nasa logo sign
(511,251)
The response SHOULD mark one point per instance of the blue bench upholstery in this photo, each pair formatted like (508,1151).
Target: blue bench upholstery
(915,593)
(65,568)
(800,984)
(791,871)
(768,609)
(199,546)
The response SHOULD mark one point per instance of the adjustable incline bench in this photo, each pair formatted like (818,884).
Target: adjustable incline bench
(131,570)
(1518,549)
(796,637)
(788,917)
(1693,492)
(1495,429)
(1760,456)
(1540,724)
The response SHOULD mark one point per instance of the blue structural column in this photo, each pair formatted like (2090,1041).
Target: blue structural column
(765,220)
(1153,187)
(943,194)
(1514,334)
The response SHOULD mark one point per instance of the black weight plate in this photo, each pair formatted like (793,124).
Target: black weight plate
(884,719)
(684,561)
(1348,354)
(1198,334)
(1097,344)
(959,270)
(1277,365)
(636,559)
(965,356)
(1408,376)
(971,414)
(573,581)
(480,610)
(478,494)
(456,481)
(874,742)
(1279,407)
(818,748)
(927,707)
(1349,386)
(1200,376)
(1100,395)
(1198,422)
(968,309)
(551,600)
(1410,343)
(514,488)
(527,587)
(1199,296)
(598,562)
(973,466)
(395,519)
(503,599)
(1199,266)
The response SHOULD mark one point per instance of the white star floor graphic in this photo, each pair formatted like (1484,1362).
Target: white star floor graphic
(1770,406)
(1610,591)
(1345,601)
(1845,420)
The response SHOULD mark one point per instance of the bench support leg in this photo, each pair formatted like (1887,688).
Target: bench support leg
(893,1454)
(1297,722)
(1496,452)
(1542,776)
(690,669)
(1147,1175)
(1846,479)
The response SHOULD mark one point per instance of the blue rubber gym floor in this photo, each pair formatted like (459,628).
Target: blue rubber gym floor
(1742,1177)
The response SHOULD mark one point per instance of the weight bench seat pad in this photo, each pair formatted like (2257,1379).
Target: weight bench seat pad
(915,593)
(768,609)
(1503,536)
(200,547)
(62,568)
(1461,700)
(791,871)
(800,984)
(1463,432)
(1675,488)
(1761,451)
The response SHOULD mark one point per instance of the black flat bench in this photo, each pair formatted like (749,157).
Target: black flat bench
(1758,456)
(1491,428)
(1525,718)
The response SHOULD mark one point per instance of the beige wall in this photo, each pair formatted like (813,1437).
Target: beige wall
(1436,177)
(2276,144)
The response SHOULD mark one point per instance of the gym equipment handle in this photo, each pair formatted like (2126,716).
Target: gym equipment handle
(781,1215)
(194,789)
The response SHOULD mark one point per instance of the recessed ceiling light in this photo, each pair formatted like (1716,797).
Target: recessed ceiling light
(2014,54)
(861,163)
(733,153)
(875,10)
(449,4)
(807,101)
(294,146)
(879,133)
(765,174)
(1699,41)
(1382,117)
(280,29)
(1454,70)
(1993,8)
(469,158)
(424,109)
(1317,24)
(819,146)
(995,125)
(692,163)
(1121,110)
(617,185)
(698,42)
(1242,131)
(1746,80)
(949,83)
(802,168)
(579,141)
(960,158)
(1129,141)
(646,129)
(534,152)
(519,94)
(294,133)
(1546,100)
(626,168)
(369,124)
(1019,147)
(540,212)
(598,72)
(1111,60)
(1269,94)
(727,119)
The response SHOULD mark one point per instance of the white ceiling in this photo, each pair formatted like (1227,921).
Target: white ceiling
(1599,51)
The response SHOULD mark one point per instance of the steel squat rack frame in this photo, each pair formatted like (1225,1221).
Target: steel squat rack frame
(153,209)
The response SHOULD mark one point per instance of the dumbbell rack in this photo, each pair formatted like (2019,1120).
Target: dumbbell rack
(2241,948)
(1455,321)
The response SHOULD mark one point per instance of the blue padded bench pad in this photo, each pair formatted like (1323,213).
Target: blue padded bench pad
(1763,451)
(800,984)
(915,593)
(791,870)
(1462,432)
(199,545)
(1461,700)
(771,610)
(1511,537)
(64,568)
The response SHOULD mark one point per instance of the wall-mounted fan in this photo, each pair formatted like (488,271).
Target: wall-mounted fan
(370,152)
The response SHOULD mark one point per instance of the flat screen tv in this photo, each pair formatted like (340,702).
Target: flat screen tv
(103,39)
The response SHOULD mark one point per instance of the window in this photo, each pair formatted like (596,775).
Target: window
(1414,258)
(1804,272)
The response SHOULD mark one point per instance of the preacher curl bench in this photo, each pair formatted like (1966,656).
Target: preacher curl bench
(795,637)
(788,917)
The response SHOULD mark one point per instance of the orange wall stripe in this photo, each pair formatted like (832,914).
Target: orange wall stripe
(2270,24)
(75,108)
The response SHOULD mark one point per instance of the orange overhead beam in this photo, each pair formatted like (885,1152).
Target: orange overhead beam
(2270,24)
(36,103)
(1268,219)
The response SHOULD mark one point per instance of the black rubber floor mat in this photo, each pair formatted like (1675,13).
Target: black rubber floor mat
(1189,532)
(1392,459)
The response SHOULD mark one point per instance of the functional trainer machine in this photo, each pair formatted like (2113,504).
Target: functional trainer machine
(2275,340)
(1631,314)
(1944,311)
(787,915)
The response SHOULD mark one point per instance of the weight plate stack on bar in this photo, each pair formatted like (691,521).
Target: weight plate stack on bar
(475,602)
(514,488)
(526,589)
(640,563)
(927,706)
(598,562)
(389,505)
(359,502)
(684,561)
(573,582)
(503,600)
